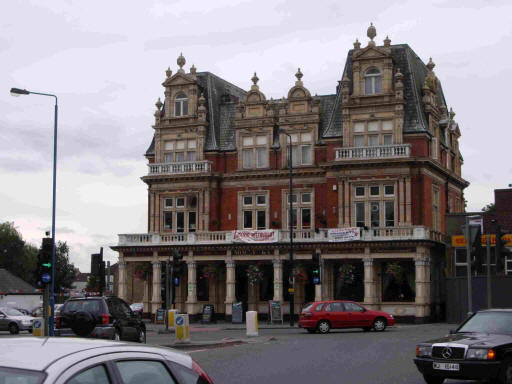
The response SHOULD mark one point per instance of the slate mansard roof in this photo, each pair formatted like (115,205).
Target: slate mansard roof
(222,99)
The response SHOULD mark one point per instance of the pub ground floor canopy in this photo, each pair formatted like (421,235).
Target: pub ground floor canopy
(399,277)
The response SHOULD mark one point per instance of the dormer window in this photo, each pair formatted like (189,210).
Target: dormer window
(372,81)
(181,105)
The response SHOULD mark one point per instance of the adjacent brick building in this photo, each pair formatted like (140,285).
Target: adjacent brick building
(380,155)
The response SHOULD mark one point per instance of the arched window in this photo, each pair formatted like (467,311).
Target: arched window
(181,105)
(372,81)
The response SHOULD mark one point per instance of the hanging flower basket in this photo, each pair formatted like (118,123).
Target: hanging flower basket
(300,273)
(396,270)
(210,271)
(346,273)
(254,274)
(142,271)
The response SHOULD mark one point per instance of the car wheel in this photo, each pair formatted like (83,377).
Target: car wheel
(324,326)
(142,336)
(433,379)
(367,329)
(379,324)
(506,372)
(117,335)
(13,329)
(311,330)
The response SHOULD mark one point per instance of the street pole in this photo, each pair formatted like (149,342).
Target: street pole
(290,225)
(167,295)
(468,259)
(172,285)
(18,92)
(488,248)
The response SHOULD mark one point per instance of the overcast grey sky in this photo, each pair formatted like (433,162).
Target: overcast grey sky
(106,61)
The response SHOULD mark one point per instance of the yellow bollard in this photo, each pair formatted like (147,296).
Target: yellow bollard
(172,319)
(251,323)
(38,327)
(182,328)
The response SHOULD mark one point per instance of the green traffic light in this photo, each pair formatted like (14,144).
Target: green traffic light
(48,265)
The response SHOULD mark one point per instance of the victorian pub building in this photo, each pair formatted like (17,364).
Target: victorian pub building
(380,155)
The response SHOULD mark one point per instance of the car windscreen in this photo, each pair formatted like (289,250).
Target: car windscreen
(20,376)
(82,305)
(12,312)
(489,322)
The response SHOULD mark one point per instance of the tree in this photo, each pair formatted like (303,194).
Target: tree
(16,256)
(489,208)
(93,284)
(65,272)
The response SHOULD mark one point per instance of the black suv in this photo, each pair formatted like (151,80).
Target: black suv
(103,317)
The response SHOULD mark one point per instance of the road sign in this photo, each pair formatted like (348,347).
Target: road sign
(179,320)
(46,278)
(316,280)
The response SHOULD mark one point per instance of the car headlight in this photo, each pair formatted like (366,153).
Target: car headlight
(424,350)
(480,354)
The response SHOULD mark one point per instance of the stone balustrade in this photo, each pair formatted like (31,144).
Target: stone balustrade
(374,152)
(185,167)
(299,236)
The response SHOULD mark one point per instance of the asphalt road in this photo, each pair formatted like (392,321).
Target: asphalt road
(348,356)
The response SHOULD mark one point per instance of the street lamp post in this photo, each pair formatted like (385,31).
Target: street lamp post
(18,92)
(290,225)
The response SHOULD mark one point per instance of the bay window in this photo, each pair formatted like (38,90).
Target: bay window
(302,149)
(179,151)
(254,152)
(372,133)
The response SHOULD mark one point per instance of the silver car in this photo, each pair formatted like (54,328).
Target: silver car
(14,321)
(42,360)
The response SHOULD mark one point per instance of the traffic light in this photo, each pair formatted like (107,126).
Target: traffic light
(44,261)
(502,252)
(176,257)
(98,269)
(316,268)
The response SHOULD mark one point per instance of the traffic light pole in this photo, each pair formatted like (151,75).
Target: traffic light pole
(488,248)
(468,259)
(46,296)
(167,295)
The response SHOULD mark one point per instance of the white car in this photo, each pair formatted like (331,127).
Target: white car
(14,321)
(42,360)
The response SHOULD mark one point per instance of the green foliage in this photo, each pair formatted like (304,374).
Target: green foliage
(16,256)
(490,208)
(20,258)
(65,271)
(93,284)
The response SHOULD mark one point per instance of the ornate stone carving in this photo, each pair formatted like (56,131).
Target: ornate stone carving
(181,62)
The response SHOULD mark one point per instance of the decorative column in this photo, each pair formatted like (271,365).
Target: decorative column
(121,284)
(230,286)
(401,194)
(278,280)
(191,287)
(156,298)
(408,201)
(145,298)
(422,301)
(370,284)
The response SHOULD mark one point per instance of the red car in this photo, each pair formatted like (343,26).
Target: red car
(321,316)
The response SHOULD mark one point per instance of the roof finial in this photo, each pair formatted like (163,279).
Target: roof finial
(371,32)
(158,104)
(168,72)
(181,61)
(299,75)
(193,69)
(452,114)
(430,65)
(357,44)
(255,79)
(387,42)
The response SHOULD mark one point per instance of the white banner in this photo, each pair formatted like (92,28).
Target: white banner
(264,236)
(344,234)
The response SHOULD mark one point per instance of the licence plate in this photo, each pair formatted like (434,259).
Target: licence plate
(446,366)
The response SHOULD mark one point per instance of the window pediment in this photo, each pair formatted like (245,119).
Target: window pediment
(371,53)
(178,79)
